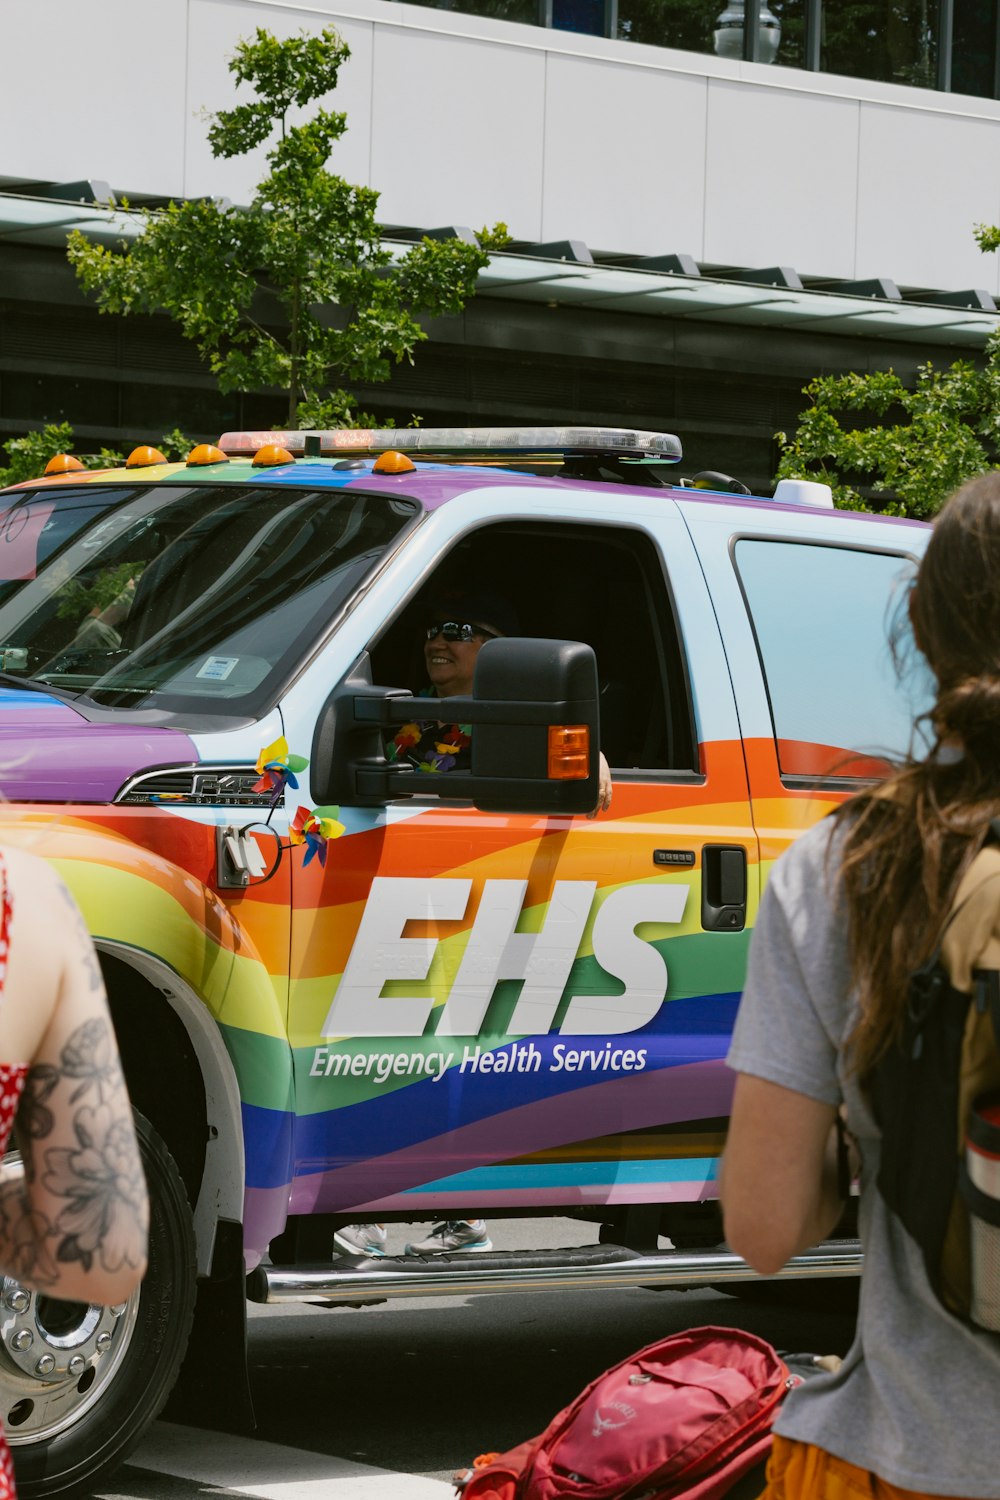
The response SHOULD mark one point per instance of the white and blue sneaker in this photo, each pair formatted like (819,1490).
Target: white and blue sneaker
(453,1234)
(361,1239)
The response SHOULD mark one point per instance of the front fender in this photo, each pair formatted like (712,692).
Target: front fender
(167,923)
(222,1185)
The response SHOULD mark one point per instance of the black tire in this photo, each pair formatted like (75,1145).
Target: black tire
(122,1387)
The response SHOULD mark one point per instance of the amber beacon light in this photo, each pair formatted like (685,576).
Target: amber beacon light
(204,454)
(271,455)
(63,463)
(144,457)
(569,752)
(393,462)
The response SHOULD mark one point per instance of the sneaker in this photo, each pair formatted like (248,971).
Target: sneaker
(361,1239)
(454,1234)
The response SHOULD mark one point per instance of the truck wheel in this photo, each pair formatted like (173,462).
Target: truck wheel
(80,1384)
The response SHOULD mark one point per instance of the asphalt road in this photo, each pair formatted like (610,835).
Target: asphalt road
(423,1388)
(420,1387)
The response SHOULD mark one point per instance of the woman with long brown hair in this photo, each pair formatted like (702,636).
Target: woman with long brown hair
(849,913)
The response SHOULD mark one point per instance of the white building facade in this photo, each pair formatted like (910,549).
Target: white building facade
(461,119)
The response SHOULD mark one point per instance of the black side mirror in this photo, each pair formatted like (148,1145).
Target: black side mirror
(535,742)
(543,728)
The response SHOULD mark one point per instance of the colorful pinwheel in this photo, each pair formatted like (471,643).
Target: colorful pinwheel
(314,827)
(276,769)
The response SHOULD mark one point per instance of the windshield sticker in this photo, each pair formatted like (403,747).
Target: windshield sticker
(217,668)
(20,529)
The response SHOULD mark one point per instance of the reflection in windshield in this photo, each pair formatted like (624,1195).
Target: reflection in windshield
(179,597)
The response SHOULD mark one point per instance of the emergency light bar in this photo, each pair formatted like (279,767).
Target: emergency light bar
(467,442)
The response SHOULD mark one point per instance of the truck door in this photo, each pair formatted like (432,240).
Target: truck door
(808,603)
(492,1011)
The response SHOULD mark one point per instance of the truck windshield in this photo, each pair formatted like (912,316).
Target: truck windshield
(197,598)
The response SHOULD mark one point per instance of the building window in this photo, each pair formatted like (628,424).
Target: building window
(894,41)
(951,45)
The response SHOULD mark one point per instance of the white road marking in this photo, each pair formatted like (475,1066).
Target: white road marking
(271,1471)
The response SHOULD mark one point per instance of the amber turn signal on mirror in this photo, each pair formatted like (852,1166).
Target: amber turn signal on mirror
(569,752)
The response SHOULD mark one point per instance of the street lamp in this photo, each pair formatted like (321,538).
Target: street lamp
(729,26)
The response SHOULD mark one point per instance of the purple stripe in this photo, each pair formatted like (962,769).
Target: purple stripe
(51,753)
(264,1214)
(692,1091)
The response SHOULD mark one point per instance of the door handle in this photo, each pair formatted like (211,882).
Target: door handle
(723,887)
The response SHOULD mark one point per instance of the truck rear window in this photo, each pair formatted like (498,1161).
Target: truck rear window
(196,599)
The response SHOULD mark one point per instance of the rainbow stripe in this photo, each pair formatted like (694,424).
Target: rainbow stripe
(266,963)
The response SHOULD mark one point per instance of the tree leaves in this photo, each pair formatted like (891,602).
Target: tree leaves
(29,455)
(883,446)
(297,291)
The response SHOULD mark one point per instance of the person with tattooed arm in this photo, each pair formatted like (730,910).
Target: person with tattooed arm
(73,1220)
(74,1212)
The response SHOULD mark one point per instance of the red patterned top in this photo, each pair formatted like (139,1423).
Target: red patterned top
(12,1076)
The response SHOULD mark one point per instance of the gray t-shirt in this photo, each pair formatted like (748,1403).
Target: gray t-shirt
(917,1400)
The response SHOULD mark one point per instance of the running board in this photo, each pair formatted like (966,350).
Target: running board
(360,1279)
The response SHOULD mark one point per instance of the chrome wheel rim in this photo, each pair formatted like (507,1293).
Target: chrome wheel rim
(56,1359)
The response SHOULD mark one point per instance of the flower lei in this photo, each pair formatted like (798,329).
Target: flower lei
(454,739)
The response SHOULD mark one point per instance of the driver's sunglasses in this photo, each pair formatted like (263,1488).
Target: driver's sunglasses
(453,630)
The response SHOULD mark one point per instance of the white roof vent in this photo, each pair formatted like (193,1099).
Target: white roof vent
(804,492)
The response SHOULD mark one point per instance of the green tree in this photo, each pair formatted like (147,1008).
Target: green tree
(905,449)
(308,243)
(28,455)
(883,446)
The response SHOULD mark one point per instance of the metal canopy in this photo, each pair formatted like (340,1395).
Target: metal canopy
(527,277)
(38,221)
(700,299)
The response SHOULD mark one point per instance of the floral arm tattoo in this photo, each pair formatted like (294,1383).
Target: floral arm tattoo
(98,1180)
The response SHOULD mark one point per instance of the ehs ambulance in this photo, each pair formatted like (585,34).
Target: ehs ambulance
(347,990)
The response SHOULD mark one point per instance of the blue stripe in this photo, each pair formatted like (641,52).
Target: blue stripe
(15,698)
(686,1031)
(267,1141)
(695,1029)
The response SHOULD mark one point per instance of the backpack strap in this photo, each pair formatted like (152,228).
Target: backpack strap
(986,996)
(970,937)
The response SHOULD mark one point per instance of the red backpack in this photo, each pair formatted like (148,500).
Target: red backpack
(683,1419)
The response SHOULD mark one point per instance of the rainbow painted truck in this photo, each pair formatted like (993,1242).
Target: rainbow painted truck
(347,991)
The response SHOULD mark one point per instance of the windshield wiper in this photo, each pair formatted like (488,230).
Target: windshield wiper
(34,685)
